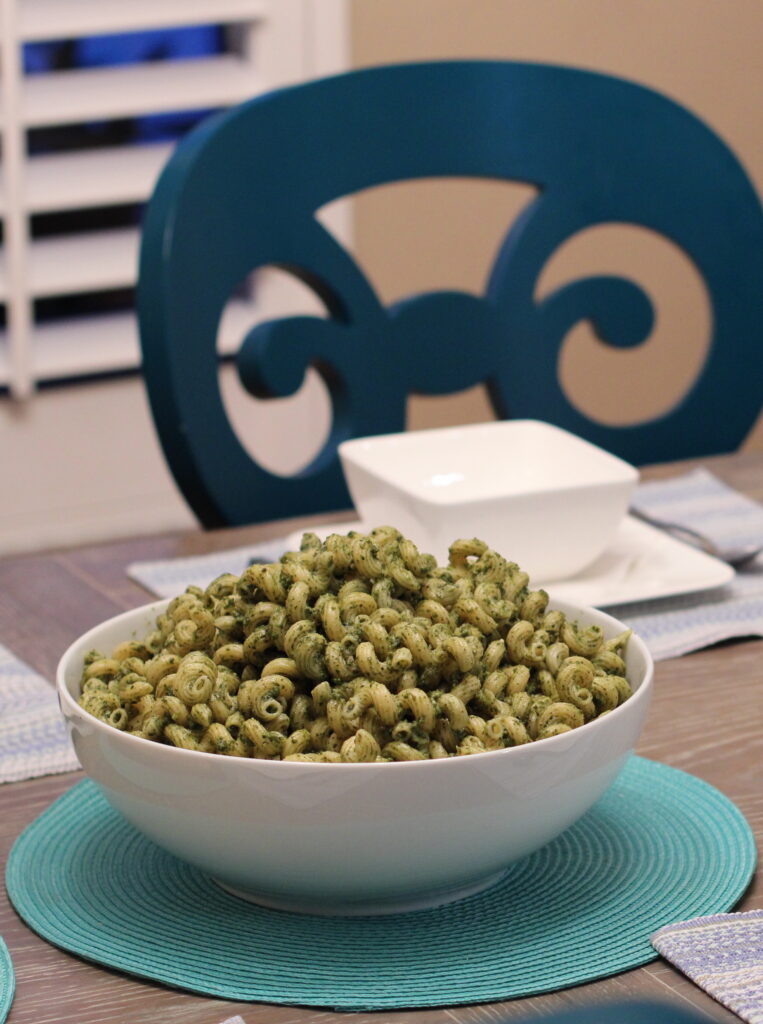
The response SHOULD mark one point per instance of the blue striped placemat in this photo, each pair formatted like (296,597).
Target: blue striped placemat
(689,622)
(723,954)
(700,500)
(33,737)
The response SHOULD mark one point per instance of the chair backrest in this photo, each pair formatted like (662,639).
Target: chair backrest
(241,192)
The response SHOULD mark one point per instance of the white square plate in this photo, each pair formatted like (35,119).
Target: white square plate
(641,563)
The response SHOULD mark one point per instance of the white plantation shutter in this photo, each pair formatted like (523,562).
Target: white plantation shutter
(268,43)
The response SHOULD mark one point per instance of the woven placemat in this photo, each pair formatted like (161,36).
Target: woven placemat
(7,981)
(723,954)
(660,846)
(33,736)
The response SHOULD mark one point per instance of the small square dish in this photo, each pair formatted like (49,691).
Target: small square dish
(538,494)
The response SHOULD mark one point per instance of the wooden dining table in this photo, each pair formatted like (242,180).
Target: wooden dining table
(705,718)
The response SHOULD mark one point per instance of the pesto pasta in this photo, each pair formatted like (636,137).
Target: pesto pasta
(359,649)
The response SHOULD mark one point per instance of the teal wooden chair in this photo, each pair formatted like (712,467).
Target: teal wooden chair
(241,192)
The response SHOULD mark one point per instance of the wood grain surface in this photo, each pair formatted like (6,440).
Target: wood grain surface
(706,718)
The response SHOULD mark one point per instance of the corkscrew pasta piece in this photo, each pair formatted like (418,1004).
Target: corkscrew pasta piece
(361,746)
(359,649)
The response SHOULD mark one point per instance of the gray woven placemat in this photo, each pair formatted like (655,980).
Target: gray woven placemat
(723,954)
(33,737)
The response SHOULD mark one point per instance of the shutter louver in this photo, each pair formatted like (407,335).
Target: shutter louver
(265,46)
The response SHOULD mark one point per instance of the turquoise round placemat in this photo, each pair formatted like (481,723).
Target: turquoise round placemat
(7,981)
(660,846)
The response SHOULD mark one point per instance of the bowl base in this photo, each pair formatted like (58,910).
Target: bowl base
(401,905)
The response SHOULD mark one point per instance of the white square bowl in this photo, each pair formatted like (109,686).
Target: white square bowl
(539,495)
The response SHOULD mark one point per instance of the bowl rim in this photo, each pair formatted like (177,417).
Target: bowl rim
(624,474)
(71,710)
(351,444)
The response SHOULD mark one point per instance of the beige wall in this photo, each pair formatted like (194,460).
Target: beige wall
(703,53)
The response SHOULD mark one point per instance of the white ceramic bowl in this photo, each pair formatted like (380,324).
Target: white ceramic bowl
(352,838)
(543,497)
